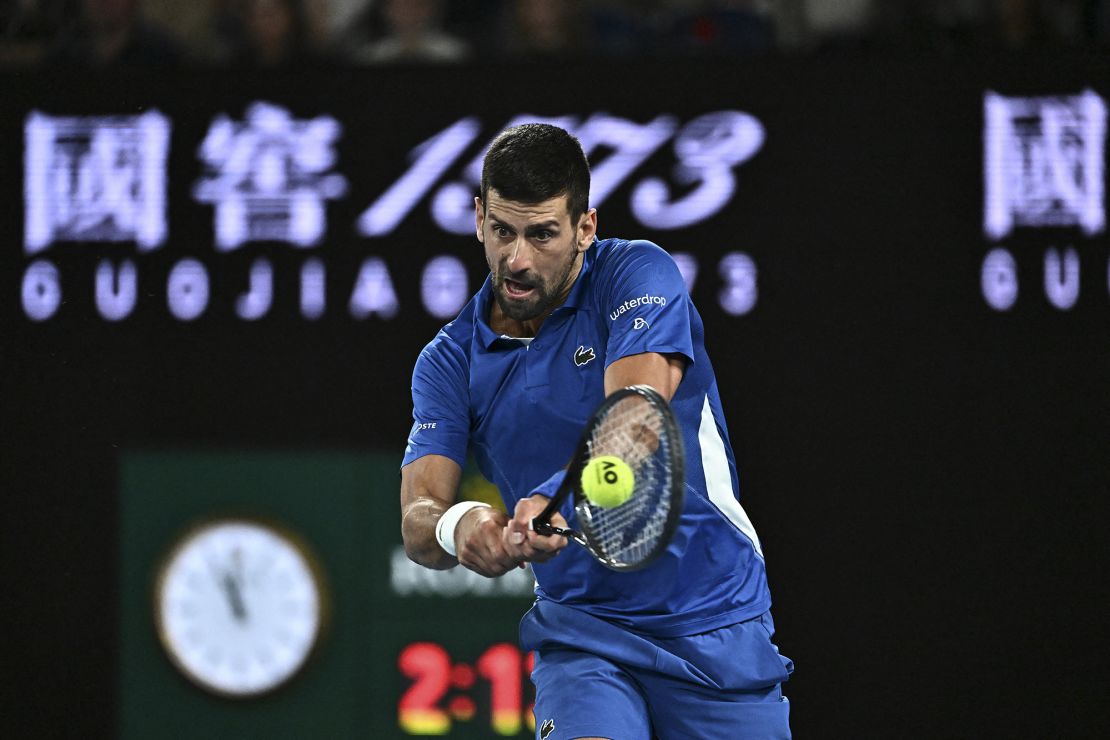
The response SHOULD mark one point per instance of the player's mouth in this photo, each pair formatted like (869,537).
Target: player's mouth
(517,290)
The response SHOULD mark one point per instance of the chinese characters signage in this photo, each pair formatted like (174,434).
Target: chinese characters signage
(269,177)
(1043,167)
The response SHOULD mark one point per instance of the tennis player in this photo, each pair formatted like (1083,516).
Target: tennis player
(681,648)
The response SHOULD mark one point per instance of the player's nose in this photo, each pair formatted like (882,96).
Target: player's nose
(520,255)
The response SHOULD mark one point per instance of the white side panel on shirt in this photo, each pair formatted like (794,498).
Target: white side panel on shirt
(718,480)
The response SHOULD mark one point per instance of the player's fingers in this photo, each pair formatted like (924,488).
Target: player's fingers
(516,532)
(558,520)
(483,550)
(542,556)
(545,546)
(549,545)
(513,542)
(526,550)
(506,559)
(476,564)
(489,562)
(520,526)
(522,542)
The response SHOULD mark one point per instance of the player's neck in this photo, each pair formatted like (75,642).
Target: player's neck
(510,327)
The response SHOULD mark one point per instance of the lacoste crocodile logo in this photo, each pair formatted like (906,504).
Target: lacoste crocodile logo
(582,355)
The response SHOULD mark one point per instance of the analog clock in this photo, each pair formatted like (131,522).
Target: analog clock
(239,606)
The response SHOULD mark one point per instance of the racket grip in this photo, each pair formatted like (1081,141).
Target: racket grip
(547,529)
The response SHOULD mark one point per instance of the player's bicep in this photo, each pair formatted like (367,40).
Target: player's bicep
(663,372)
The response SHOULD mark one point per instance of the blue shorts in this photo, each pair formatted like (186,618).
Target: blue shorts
(594,679)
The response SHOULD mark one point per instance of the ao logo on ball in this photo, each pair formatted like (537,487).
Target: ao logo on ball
(608,481)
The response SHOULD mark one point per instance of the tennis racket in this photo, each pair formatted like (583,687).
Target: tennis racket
(636,425)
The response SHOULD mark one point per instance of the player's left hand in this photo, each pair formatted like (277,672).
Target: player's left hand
(524,544)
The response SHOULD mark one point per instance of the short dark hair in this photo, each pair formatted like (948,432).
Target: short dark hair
(534,162)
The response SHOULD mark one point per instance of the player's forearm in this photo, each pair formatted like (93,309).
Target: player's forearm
(418,530)
(429,485)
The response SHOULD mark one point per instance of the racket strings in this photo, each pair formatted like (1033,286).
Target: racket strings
(634,431)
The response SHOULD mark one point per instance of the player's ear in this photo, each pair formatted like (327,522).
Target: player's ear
(479,217)
(587,229)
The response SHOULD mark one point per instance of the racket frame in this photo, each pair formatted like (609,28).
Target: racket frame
(572,481)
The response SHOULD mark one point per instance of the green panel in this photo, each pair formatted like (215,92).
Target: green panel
(345,507)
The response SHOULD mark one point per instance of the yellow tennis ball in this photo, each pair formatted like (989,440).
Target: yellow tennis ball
(607,481)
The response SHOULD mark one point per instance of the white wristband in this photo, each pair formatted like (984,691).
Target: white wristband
(445,527)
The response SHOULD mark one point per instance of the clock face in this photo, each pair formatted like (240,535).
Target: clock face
(239,607)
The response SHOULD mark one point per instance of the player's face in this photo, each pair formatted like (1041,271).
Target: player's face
(533,252)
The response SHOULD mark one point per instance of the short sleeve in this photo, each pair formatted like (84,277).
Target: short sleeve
(646,305)
(440,403)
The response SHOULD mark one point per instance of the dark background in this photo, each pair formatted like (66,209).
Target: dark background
(928,476)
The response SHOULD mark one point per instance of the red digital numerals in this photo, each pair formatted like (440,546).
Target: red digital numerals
(426,708)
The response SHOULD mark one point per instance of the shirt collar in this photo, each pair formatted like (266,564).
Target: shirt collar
(578,291)
(483,333)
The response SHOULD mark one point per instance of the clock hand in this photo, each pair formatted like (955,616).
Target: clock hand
(234,597)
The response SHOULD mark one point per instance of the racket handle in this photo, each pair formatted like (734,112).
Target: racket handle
(547,529)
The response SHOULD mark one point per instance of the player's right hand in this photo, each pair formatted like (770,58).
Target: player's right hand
(479,543)
(522,542)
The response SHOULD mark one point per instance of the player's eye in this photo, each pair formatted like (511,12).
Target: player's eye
(502,231)
(543,235)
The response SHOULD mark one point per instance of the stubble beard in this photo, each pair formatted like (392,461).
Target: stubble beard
(543,299)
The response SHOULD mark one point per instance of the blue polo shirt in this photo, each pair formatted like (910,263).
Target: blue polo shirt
(520,405)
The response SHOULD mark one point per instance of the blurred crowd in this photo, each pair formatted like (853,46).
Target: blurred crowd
(298,33)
